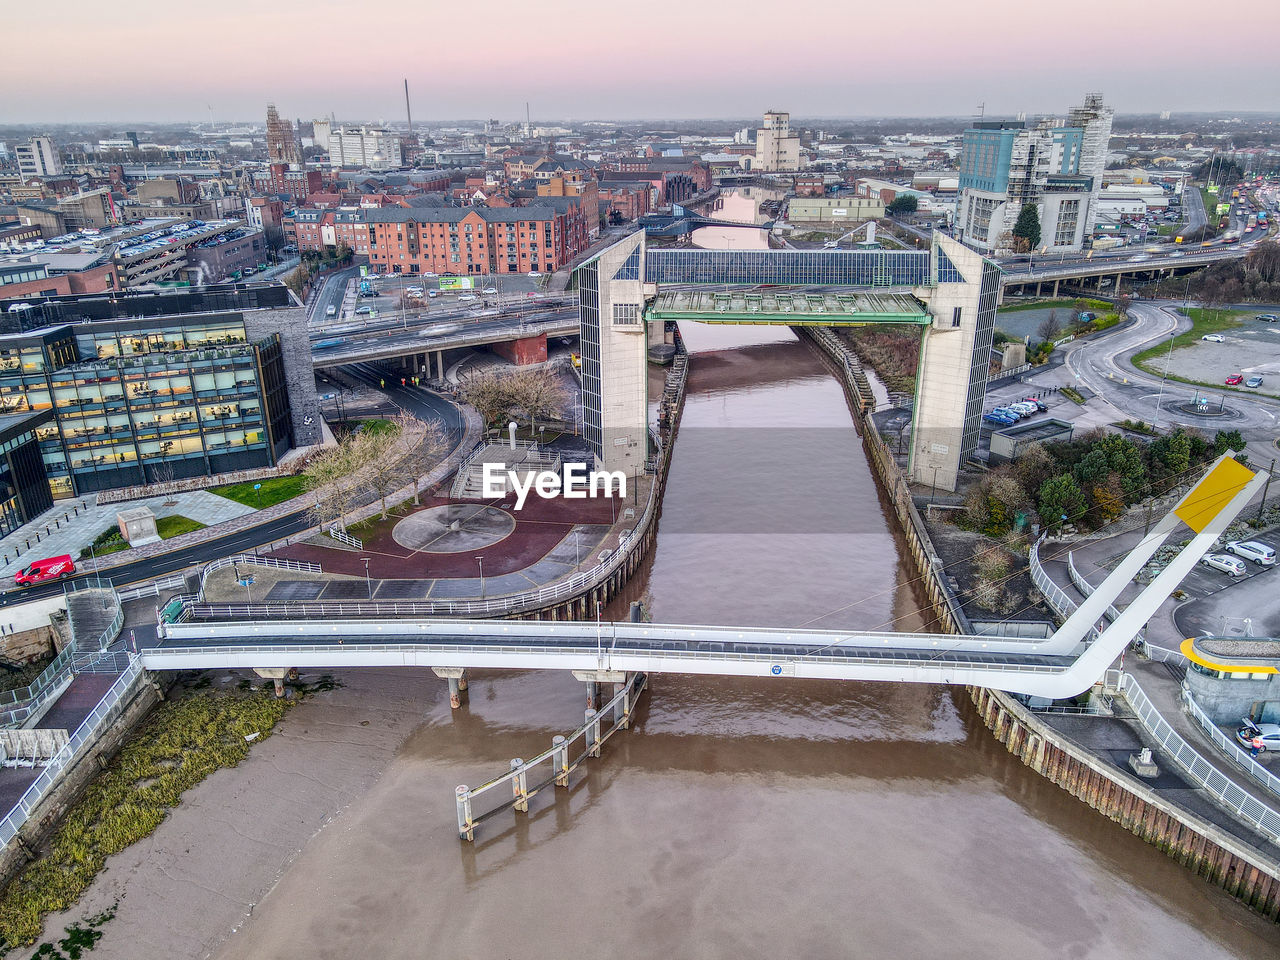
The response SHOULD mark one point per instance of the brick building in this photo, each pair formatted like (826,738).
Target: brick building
(279,178)
(478,240)
(630,200)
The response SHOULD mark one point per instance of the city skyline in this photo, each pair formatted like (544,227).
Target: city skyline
(602,65)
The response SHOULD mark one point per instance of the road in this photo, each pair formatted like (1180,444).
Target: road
(331,294)
(1104,365)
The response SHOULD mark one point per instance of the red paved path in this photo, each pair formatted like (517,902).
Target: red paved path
(540,525)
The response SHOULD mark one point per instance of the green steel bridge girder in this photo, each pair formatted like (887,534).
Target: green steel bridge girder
(790,308)
(794,319)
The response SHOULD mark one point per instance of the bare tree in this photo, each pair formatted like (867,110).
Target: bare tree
(420,446)
(1050,328)
(486,392)
(330,478)
(539,394)
(376,457)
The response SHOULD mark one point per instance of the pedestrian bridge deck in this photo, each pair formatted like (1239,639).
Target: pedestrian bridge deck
(792,307)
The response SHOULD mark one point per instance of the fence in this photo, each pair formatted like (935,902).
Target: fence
(593,736)
(153,588)
(345,538)
(1246,807)
(108,708)
(1255,770)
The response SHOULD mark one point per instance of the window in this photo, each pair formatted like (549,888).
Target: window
(956,316)
(626,314)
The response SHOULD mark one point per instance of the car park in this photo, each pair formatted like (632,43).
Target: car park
(1214,338)
(1269,733)
(1224,564)
(1259,553)
(1253,382)
(1234,380)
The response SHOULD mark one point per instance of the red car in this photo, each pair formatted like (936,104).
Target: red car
(1235,380)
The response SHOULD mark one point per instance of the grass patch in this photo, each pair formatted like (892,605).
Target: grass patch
(180,744)
(375,427)
(1139,426)
(1093,306)
(176,526)
(274,490)
(1202,321)
(1072,394)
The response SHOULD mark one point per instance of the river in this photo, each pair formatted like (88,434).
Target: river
(745,818)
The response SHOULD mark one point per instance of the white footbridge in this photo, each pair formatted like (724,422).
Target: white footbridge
(1060,666)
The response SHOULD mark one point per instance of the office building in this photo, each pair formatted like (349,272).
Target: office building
(140,389)
(1005,165)
(38,157)
(776,147)
(24,486)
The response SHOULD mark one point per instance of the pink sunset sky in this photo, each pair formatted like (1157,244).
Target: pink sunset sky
(583,59)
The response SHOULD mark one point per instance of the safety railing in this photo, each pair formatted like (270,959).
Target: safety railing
(48,676)
(153,588)
(1164,655)
(171,653)
(1227,745)
(337,533)
(108,708)
(1231,795)
(1086,588)
(1053,594)
(298,566)
(593,734)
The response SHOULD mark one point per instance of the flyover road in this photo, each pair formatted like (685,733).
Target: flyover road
(1105,366)
(418,401)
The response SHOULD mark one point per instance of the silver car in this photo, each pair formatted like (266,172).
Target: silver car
(1259,553)
(1228,565)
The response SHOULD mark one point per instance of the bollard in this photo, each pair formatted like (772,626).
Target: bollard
(466,828)
(560,760)
(593,734)
(455,697)
(520,786)
(462,682)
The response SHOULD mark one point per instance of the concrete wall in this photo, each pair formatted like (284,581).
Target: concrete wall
(295,347)
(1227,699)
(525,351)
(835,209)
(623,363)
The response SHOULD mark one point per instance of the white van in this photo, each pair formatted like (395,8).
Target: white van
(331,311)
(1259,553)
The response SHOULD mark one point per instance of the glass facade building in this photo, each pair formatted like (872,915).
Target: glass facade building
(24,488)
(143,401)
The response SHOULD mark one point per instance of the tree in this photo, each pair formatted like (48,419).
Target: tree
(1225,440)
(420,446)
(330,478)
(1026,231)
(1061,501)
(1050,328)
(903,203)
(539,394)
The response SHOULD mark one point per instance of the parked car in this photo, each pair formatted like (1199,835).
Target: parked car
(1269,732)
(432,294)
(1024,408)
(1268,318)
(1039,404)
(489,291)
(1259,553)
(50,568)
(998,419)
(1214,338)
(1008,411)
(1235,380)
(535,274)
(1228,565)
(1253,382)
(468,298)
(363,311)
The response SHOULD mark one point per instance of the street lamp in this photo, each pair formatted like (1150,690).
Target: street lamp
(480,562)
(368,583)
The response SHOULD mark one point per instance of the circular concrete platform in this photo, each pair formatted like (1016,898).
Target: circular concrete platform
(454,528)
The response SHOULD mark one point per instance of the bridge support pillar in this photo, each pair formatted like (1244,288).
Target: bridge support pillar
(1055,288)
(592,695)
(1037,288)
(276,675)
(440,363)
(457,677)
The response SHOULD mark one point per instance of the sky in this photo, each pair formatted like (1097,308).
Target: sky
(594,59)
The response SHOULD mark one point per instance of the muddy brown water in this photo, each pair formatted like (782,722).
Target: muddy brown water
(745,818)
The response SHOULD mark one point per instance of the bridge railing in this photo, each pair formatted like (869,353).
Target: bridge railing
(1086,588)
(105,713)
(171,654)
(1227,745)
(600,725)
(1228,793)
(1053,594)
